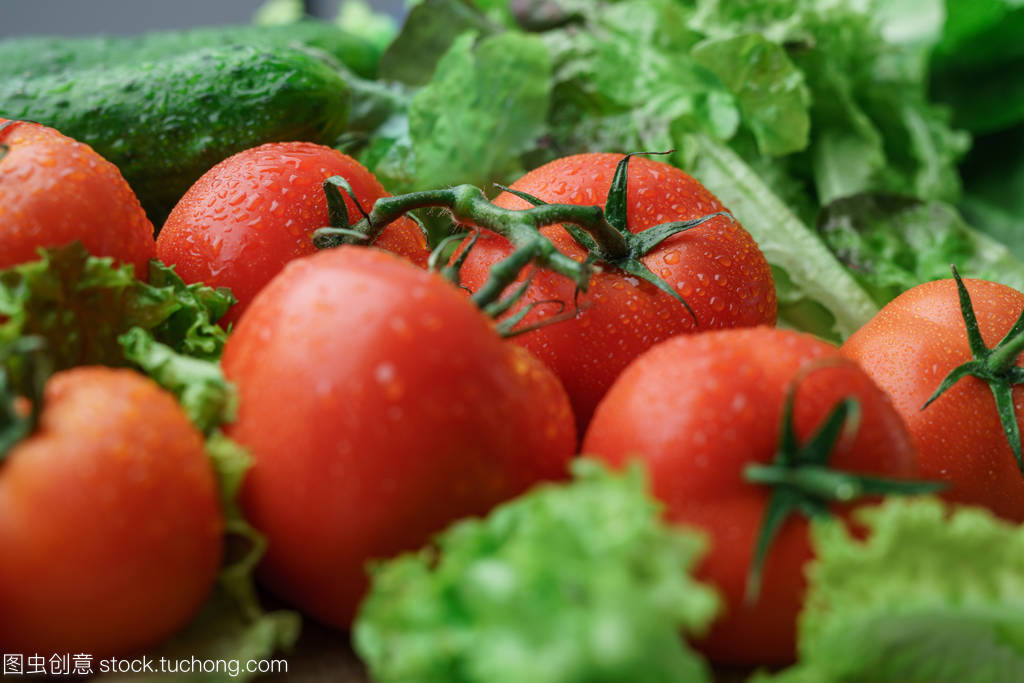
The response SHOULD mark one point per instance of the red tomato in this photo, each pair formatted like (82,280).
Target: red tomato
(253,212)
(110,520)
(716,267)
(379,405)
(697,410)
(909,348)
(54,190)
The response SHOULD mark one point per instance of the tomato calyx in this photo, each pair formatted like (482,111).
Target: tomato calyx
(24,370)
(996,366)
(337,211)
(802,481)
(614,243)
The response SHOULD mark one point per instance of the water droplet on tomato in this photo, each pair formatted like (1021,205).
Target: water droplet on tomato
(387,377)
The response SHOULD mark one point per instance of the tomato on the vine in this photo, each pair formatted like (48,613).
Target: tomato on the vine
(911,346)
(245,218)
(706,414)
(110,519)
(55,190)
(716,268)
(379,405)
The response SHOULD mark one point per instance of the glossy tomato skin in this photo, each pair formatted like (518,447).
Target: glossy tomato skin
(908,348)
(716,267)
(110,521)
(55,190)
(696,410)
(249,215)
(379,405)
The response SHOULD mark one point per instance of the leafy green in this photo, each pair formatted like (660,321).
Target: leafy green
(625,82)
(482,105)
(893,243)
(203,392)
(935,594)
(815,292)
(485,105)
(576,582)
(81,304)
(771,93)
(232,626)
(873,127)
(429,31)
(358,18)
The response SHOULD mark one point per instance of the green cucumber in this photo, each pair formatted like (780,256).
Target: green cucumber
(167,122)
(40,55)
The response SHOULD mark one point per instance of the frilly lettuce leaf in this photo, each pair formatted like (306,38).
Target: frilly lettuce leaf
(577,582)
(81,304)
(625,81)
(873,126)
(934,594)
(892,243)
(203,392)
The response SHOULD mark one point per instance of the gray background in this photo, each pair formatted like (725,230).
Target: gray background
(80,17)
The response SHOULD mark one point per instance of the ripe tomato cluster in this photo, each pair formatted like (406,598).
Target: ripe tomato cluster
(379,403)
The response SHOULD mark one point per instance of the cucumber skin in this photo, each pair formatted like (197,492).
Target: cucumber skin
(42,55)
(166,123)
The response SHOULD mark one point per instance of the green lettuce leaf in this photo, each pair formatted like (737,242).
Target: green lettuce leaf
(577,582)
(429,31)
(892,243)
(770,90)
(626,81)
(816,293)
(480,108)
(872,124)
(81,304)
(203,392)
(935,594)
(486,104)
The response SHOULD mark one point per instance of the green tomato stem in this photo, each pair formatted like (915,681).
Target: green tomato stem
(1004,357)
(603,233)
